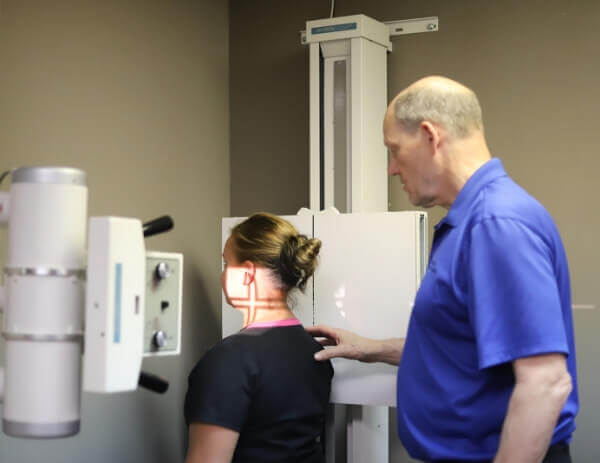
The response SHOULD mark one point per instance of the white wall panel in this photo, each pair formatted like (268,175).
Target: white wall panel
(366,282)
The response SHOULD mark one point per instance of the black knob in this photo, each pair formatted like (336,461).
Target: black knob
(159,225)
(154,383)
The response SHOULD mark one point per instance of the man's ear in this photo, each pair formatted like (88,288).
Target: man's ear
(249,272)
(432,133)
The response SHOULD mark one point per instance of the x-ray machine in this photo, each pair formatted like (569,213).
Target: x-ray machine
(112,302)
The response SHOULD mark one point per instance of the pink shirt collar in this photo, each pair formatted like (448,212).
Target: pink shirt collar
(275,323)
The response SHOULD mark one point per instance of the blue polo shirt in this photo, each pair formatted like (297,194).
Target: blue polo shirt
(496,289)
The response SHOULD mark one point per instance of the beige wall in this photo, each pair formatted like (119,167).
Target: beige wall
(269,106)
(534,65)
(136,94)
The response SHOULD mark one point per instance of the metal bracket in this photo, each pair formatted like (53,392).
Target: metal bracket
(413,26)
(402,27)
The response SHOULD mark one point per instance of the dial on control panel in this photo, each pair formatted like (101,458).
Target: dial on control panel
(162,270)
(159,339)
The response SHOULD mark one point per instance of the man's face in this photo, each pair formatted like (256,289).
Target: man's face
(410,159)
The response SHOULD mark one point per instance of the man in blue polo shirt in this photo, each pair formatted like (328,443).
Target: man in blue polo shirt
(487,370)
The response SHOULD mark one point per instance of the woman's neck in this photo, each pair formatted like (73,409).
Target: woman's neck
(266,299)
(255,314)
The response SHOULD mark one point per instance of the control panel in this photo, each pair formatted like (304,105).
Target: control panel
(162,325)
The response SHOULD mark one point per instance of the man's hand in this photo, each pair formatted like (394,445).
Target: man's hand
(347,344)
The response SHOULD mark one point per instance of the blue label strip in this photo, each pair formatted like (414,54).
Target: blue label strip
(334,28)
(118,292)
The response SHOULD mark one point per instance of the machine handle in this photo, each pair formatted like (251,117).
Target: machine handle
(154,383)
(159,225)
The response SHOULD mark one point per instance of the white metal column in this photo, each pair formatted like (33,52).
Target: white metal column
(368,106)
(362,43)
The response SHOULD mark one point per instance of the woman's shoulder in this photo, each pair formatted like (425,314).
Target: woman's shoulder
(225,353)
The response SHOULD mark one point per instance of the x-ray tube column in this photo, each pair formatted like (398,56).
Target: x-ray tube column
(45,294)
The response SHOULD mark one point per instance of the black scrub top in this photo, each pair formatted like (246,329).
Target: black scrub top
(265,384)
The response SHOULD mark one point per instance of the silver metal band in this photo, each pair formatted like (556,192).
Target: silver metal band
(44,272)
(31,337)
(40,430)
(53,175)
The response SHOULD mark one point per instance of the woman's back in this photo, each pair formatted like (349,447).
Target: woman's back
(259,396)
(264,383)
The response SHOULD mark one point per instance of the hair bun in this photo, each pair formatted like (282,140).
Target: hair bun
(298,260)
(274,243)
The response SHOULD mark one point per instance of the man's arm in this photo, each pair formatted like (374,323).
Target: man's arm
(211,444)
(542,387)
(352,346)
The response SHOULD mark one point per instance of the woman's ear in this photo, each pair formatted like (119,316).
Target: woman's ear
(249,272)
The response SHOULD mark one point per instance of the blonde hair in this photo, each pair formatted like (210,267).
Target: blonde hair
(274,243)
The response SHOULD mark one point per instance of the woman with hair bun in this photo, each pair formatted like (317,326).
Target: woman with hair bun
(259,395)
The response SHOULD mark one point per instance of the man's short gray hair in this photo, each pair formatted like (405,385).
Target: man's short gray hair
(456,110)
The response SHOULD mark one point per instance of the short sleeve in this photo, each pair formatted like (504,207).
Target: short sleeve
(220,387)
(514,301)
